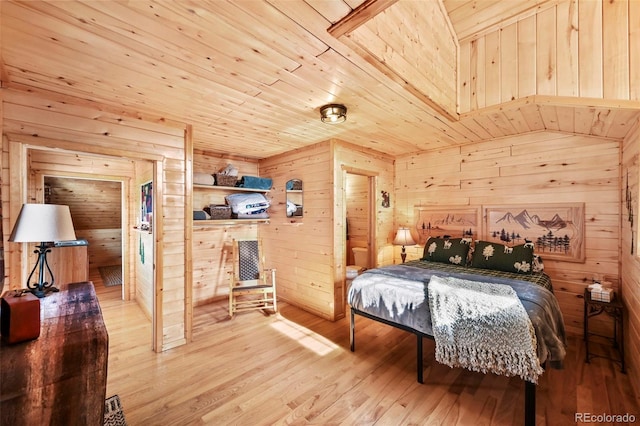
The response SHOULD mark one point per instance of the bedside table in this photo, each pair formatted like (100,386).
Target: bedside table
(615,310)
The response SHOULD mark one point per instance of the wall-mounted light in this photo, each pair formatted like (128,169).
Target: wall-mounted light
(333,113)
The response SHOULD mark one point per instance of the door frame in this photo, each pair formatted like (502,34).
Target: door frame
(372,178)
(27,183)
(124,188)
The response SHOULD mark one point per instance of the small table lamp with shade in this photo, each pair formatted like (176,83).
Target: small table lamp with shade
(44,224)
(403,238)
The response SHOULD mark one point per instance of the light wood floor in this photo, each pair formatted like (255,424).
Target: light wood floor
(295,368)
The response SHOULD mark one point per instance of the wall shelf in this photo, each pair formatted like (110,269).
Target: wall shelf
(221,222)
(229,188)
(217,222)
(142,231)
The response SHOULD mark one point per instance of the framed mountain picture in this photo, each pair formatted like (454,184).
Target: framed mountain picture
(454,221)
(555,230)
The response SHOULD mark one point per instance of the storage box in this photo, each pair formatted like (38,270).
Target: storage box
(225,180)
(19,317)
(602,294)
(220,211)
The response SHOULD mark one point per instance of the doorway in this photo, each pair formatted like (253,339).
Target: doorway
(97,213)
(360,216)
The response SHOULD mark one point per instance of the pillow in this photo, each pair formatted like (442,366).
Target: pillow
(538,264)
(249,202)
(447,250)
(490,255)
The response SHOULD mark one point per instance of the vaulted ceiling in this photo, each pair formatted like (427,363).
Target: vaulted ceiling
(251,75)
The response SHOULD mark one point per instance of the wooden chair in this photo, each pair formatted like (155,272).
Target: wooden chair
(252,286)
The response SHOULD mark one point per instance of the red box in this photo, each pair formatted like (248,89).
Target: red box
(19,317)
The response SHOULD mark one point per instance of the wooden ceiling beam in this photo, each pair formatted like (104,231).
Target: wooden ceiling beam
(359,16)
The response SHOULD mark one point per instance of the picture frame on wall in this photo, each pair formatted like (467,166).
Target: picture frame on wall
(555,229)
(454,221)
(146,205)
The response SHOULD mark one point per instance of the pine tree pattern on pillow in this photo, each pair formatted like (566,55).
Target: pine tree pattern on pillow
(447,250)
(490,255)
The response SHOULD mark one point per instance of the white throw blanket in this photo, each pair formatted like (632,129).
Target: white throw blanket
(482,327)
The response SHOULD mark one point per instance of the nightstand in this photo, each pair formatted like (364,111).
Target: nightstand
(615,310)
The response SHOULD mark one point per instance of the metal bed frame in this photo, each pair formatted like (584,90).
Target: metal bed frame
(529,387)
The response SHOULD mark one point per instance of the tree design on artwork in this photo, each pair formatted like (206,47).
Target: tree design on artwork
(552,236)
(451,221)
(427,228)
(555,230)
(547,242)
(553,244)
(507,237)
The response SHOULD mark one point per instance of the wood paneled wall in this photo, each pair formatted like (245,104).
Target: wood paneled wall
(630,252)
(379,167)
(212,244)
(540,167)
(93,203)
(141,255)
(143,266)
(51,121)
(310,252)
(301,248)
(577,48)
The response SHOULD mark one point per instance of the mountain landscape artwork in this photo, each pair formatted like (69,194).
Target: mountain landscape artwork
(455,222)
(556,231)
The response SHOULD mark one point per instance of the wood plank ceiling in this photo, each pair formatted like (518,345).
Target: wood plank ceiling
(251,76)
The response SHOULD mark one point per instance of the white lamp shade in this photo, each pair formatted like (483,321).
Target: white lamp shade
(43,223)
(403,238)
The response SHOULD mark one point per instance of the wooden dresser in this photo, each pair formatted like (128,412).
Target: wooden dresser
(61,377)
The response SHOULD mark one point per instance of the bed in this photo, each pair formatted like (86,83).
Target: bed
(399,295)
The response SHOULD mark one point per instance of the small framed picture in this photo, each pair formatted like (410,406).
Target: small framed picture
(146,201)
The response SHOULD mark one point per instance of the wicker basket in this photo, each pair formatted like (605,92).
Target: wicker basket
(225,180)
(220,211)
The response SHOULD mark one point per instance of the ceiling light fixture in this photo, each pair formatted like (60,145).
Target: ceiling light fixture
(333,113)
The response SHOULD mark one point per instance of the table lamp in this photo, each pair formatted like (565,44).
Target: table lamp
(403,238)
(42,223)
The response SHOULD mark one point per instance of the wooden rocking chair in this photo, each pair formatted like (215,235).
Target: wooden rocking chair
(252,286)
